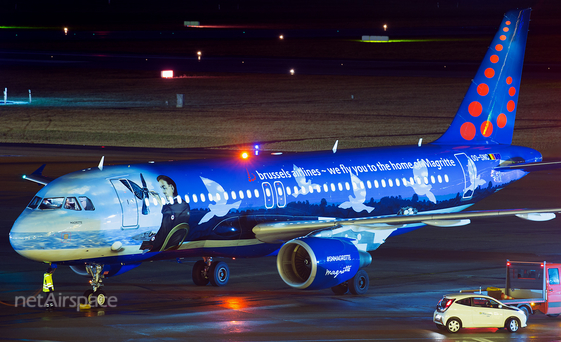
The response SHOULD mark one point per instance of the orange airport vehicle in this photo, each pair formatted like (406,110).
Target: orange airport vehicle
(530,286)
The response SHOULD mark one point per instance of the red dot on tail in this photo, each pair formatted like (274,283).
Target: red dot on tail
(475,108)
(499,47)
(508,80)
(489,72)
(467,131)
(501,120)
(483,89)
(511,91)
(510,106)
(486,128)
(494,59)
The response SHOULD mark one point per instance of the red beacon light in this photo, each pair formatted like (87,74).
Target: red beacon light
(245,155)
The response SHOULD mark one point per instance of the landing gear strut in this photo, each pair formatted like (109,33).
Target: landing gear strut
(207,271)
(96,294)
(357,285)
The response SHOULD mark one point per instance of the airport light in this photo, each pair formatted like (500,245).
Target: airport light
(281,37)
(65,31)
(245,155)
(291,71)
(199,54)
(385,27)
(167,73)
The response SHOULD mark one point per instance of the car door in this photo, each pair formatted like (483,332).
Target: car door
(553,291)
(486,313)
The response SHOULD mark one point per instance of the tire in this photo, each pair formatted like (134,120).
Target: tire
(512,325)
(199,274)
(88,294)
(100,297)
(358,285)
(340,289)
(526,311)
(552,315)
(218,273)
(453,325)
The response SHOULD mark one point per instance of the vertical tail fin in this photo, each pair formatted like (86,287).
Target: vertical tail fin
(487,113)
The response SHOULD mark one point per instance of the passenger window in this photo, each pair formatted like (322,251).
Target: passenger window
(71,204)
(186,199)
(52,203)
(553,276)
(34,202)
(465,301)
(256,192)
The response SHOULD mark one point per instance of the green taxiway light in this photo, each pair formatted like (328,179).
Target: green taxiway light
(417,40)
(27,28)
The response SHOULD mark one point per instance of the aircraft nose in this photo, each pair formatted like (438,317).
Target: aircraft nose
(25,240)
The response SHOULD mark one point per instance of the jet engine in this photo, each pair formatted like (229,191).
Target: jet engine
(314,263)
(110,270)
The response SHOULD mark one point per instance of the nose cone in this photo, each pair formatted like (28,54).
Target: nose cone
(26,240)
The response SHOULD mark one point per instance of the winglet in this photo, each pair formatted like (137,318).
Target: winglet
(334,149)
(100,165)
(37,176)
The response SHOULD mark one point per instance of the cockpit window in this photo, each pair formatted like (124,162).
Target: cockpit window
(86,203)
(34,202)
(71,203)
(52,203)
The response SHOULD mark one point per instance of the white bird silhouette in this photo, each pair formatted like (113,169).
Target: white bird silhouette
(420,172)
(356,202)
(303,184)
(221,208)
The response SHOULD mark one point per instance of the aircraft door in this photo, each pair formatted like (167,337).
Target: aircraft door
(470,172)
(129,205)
(268,192)
(553,291)
(281,195)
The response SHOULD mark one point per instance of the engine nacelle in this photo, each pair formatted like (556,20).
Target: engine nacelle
(109,270)
(317,263)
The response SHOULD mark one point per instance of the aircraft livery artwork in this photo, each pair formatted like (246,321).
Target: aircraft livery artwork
(322,213)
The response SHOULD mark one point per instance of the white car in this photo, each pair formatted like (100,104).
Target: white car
(472,310)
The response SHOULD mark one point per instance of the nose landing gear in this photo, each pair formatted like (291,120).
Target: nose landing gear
(96,294)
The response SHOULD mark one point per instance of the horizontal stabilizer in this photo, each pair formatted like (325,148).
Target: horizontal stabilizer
(529,167)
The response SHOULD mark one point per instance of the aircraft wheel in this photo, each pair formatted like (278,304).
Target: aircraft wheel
(88,294)
(358,285)
(100,297)
(199,274)
(552,315)
(340,289)
(219,273)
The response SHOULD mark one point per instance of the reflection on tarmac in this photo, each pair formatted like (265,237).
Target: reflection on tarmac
(158,301)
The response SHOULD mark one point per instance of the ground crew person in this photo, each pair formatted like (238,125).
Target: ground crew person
(48,285)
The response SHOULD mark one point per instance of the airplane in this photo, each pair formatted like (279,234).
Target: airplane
(321,213)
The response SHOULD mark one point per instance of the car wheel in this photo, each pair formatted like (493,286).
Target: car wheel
(454,325)
(512,324)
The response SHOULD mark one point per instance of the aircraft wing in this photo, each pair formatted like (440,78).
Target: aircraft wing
(279,232)
(528,167)
(37,176)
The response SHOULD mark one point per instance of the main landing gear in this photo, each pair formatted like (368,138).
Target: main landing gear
(96,294)
(357,285)
(207,271)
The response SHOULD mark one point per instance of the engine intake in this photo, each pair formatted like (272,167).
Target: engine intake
(317,263)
